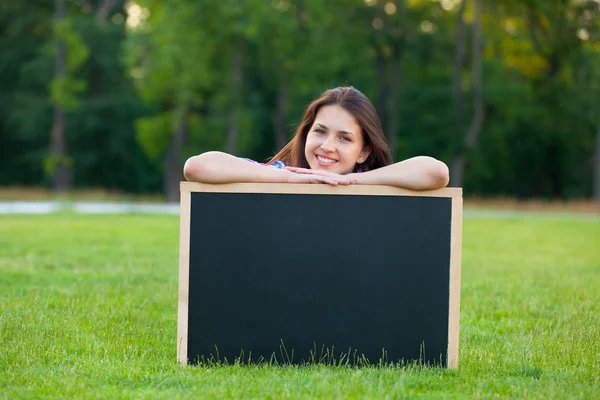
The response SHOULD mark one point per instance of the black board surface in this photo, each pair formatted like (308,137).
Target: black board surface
(298,277)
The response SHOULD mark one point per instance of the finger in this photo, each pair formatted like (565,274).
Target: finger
(323,179)
(337,180)
(295,169)
(306,171)
(344,182)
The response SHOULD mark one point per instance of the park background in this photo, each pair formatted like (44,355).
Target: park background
(103,101)
(112,96)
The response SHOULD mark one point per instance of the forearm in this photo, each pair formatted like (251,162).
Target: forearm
(418,173)
(217,167)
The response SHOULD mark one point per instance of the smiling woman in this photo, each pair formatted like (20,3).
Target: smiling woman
(339,142)
(335,143)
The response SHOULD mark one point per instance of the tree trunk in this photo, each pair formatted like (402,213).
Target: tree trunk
(173,168)
(395,75)
(61,170)
(478,106)
(104,10)
(279,121)
(597,162)
(380,64)
(457,167)
(477,75)
(395,63)
(234,96)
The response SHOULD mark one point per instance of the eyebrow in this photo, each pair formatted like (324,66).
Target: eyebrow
(344,132)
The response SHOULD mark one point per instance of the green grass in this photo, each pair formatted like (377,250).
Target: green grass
(88,309)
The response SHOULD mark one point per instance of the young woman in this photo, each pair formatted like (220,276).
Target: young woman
(339,142)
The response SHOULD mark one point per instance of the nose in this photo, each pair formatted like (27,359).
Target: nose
(329,143)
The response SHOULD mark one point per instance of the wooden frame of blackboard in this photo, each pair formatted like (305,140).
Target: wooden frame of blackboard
(455,194)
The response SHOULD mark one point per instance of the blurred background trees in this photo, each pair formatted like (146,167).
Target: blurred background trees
(116,94)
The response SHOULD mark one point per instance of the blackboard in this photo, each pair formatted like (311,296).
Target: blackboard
(313,273)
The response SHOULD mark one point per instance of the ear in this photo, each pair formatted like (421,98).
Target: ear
(364,154)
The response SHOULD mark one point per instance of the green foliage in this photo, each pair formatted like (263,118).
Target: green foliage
(126,88)
(53,161)
(77,52)
(99,131)
(153,134)
(174,64)
(65,89)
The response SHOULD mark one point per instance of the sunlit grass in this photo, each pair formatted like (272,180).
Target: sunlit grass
(88,309)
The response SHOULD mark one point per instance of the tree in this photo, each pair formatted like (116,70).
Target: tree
(173,56)
(235,76)
(597,162)
(59,165)
(388,31)
(70,54)
(470,139)
(283,41)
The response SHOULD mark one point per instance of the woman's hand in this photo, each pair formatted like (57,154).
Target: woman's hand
(305,175)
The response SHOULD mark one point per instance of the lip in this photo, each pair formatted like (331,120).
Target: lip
(325,164)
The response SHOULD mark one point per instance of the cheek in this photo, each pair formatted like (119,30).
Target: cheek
(311,143)
(352,152)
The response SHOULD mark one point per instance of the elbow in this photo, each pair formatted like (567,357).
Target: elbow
(441,175)
(438,174)
(200,168)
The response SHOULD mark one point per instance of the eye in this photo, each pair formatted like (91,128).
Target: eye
(345,138)
(319,130)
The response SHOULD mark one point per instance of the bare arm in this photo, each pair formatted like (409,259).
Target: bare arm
(417,173)
(218,167)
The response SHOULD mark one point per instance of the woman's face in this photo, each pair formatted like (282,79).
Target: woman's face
(335,141)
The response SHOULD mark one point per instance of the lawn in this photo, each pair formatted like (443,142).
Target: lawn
(88,309)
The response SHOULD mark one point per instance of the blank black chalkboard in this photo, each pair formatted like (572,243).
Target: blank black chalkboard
(305,273)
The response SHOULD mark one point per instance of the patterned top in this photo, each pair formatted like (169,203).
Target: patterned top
(276,164)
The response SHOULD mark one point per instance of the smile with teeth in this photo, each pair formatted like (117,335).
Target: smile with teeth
(326,160)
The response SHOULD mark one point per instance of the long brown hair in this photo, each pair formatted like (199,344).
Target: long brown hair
(356,103)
